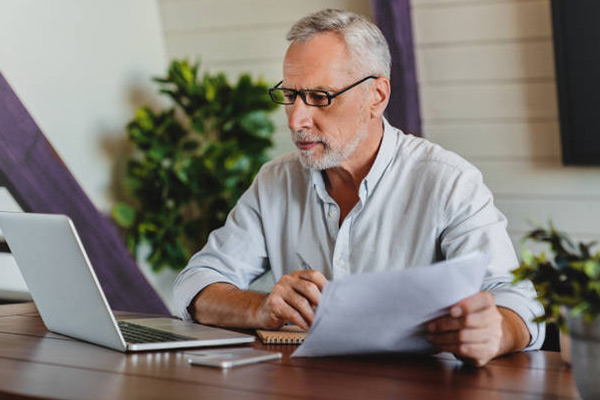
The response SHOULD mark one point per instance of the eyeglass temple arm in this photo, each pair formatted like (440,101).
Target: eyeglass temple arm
(333,96)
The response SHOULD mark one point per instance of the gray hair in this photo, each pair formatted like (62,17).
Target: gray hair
(365,42)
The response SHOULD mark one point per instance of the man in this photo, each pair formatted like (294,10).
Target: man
(358,196)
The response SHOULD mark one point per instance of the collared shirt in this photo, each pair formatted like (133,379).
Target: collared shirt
(418,204)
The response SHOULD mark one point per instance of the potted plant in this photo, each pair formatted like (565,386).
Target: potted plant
(191,162)
(568,285)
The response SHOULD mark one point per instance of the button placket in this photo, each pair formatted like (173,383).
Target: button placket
(332,212)
(341,265)
(333,220)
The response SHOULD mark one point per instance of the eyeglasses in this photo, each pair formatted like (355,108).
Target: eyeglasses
(310,97)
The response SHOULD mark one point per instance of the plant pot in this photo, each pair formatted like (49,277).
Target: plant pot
(585,356)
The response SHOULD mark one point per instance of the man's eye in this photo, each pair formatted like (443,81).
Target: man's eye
(289,96)
(317,98)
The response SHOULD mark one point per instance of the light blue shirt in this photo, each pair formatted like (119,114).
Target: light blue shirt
(418,204)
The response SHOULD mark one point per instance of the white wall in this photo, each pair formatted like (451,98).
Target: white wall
(80,67)
(488,92)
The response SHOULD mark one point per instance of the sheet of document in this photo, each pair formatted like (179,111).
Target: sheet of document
(385,312)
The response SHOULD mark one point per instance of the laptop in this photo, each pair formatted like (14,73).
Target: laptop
(71,302)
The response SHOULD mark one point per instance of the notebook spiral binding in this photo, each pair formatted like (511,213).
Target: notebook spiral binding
(288,335)
(284,340)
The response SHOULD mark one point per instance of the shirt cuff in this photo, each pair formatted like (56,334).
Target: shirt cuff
(191,282)
(515,303)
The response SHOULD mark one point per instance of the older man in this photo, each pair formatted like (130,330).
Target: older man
(358,196)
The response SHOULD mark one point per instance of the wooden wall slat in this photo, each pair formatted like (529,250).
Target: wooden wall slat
(579,216)
(243,44)
(489,62)
(501,140)
(460,102)
(541,179)
(483,21)
(229,14)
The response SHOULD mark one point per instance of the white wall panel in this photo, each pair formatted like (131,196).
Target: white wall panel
(579,216)
(268,70)
(513,100)
(486,62)
(548,179)
(206,15)
(234,44)
(483,21)
(501,140)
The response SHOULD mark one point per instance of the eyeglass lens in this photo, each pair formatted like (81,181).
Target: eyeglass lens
(310,97)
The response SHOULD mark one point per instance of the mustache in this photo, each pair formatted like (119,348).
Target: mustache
(306,136)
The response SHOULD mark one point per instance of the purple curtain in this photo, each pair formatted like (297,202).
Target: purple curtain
(394,19)
(39,180)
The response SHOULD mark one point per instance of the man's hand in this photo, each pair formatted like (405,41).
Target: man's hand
(293,298)
(477,331)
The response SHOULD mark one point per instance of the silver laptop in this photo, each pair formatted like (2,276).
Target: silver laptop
(71,302)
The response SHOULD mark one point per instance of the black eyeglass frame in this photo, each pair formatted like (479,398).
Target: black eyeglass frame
(302,93)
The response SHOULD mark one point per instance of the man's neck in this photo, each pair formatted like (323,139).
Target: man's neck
(343,182)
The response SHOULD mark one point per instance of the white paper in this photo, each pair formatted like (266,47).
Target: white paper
(384,312)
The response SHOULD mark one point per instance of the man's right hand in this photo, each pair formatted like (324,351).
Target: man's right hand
(293,298)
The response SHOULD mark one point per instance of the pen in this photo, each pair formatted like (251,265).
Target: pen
(303,264)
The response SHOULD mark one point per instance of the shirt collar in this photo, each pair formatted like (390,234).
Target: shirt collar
(386,152)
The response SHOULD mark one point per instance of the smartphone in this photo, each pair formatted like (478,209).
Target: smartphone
(227,358)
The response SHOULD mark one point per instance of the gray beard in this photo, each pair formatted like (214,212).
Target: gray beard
(331,158)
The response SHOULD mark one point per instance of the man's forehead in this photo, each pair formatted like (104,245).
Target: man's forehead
(320,62)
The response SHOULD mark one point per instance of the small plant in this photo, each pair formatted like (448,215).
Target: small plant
(571,279)
(191,162)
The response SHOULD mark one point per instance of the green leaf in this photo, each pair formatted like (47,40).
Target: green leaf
(211,91)
(592,268)
(144,118)
(124,215)
(258,124)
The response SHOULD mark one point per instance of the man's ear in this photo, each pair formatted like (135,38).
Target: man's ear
(381,90)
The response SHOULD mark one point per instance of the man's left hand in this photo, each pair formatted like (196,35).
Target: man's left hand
(472,330)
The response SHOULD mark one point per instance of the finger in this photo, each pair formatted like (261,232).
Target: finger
(315,277)
(295,318)
(445,324)
(472,304)
(300,305)
(308,290)
(478,353)
(278,312)
(464,336)
(477,320)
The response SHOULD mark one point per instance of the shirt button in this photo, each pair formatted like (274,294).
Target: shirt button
(332,213)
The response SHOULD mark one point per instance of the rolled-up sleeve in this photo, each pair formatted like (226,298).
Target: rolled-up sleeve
(474,223)
(234,253)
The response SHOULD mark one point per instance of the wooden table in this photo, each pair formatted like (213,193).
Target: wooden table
(38,363)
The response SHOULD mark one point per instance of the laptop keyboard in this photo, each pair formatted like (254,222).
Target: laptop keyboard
(134,333)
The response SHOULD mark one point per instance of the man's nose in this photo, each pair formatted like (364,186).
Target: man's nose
(299,115)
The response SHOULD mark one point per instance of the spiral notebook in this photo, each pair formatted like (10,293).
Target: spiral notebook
(288,334)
